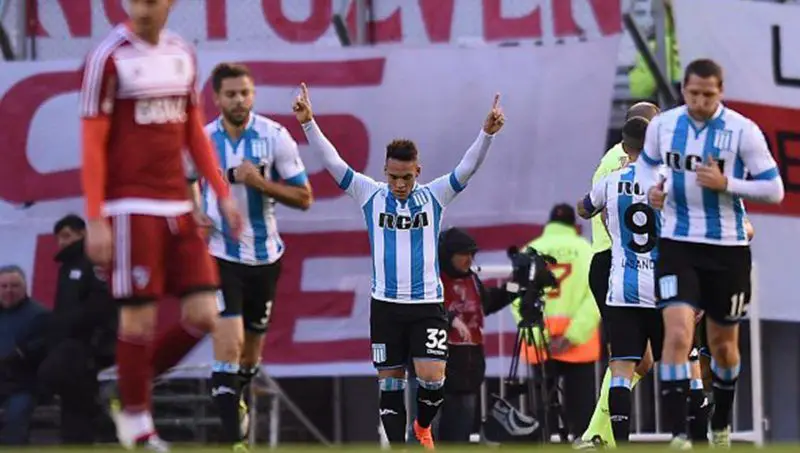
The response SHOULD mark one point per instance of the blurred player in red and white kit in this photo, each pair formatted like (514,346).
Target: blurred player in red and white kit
(140,111)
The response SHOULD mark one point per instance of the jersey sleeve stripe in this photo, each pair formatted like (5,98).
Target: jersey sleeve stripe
(649,160)
(455,184)
(92,84)
(299,179)
(344,184)
(767,175)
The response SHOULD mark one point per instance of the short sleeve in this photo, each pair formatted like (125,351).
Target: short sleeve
(755,154)
(445,188)
(98,84)
(597,196)
(287,162)
(651,154)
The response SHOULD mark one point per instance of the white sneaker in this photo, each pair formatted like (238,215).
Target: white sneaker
(721,438)
(680,443)
(133,428)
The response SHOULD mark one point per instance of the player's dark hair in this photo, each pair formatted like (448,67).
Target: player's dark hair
(633,132)
(224,71)
(703,68)
(402,149)
(71,221)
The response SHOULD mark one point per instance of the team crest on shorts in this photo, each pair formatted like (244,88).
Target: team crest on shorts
(378,352)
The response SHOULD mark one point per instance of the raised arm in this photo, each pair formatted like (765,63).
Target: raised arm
(355,184)
(445,188)
(476,153)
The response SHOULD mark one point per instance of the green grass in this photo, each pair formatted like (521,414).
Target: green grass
(529,448)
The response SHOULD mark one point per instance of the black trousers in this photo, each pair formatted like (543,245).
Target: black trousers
(576,384)
(70,371)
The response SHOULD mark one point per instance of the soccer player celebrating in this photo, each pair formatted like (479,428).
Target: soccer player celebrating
(704,258)
(140,109)
(403,217)
(630,317)
(260,159)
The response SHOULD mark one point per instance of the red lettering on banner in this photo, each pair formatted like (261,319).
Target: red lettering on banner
(607,13)
(437,17)
(385,30)
(77,14)
(217,19)
(496,27)
(305,31)
(782,130)
(19,181)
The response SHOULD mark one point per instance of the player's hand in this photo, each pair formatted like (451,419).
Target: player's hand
(204,223)
(245,172)
(302,106)
(749,229)
(99,243)
(656,195)
(559,345)
(495,119)
(710,176)
(227,207)
(462,329)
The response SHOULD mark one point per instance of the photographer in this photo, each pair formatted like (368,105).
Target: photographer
(467,302)
(571,342)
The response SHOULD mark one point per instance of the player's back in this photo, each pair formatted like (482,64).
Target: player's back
(634,227)
(612,160)
(693,213)
(145,90)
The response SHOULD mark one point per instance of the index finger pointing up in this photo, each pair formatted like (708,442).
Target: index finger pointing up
(496,101)
(304,91)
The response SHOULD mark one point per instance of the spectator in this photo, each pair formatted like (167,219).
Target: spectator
(571,320)
(22,328)
(640,79)
(467,303)
(81,337)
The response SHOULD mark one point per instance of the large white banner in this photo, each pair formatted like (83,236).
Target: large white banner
(758,45)
(438,96)
(65,28)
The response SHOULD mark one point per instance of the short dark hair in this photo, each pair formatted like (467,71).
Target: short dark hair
(633,132)
(703,68)
(563,213)
(72,221)
(402,149)
(224,71)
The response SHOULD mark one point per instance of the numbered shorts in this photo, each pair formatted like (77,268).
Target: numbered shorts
(629,330)
(248,291)
(399,332)
(713,278)
(157,256)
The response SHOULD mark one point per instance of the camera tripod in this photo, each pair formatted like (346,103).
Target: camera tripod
(548,408)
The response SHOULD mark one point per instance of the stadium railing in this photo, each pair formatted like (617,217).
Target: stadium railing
(754,435)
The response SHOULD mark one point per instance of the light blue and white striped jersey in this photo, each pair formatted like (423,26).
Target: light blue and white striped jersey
(267,145)
(634,229)
(693,213)
(403,235)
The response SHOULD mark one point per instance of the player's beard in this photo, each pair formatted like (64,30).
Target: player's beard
(237,119)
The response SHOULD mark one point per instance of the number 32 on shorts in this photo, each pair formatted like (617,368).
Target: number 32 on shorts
(437,339)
